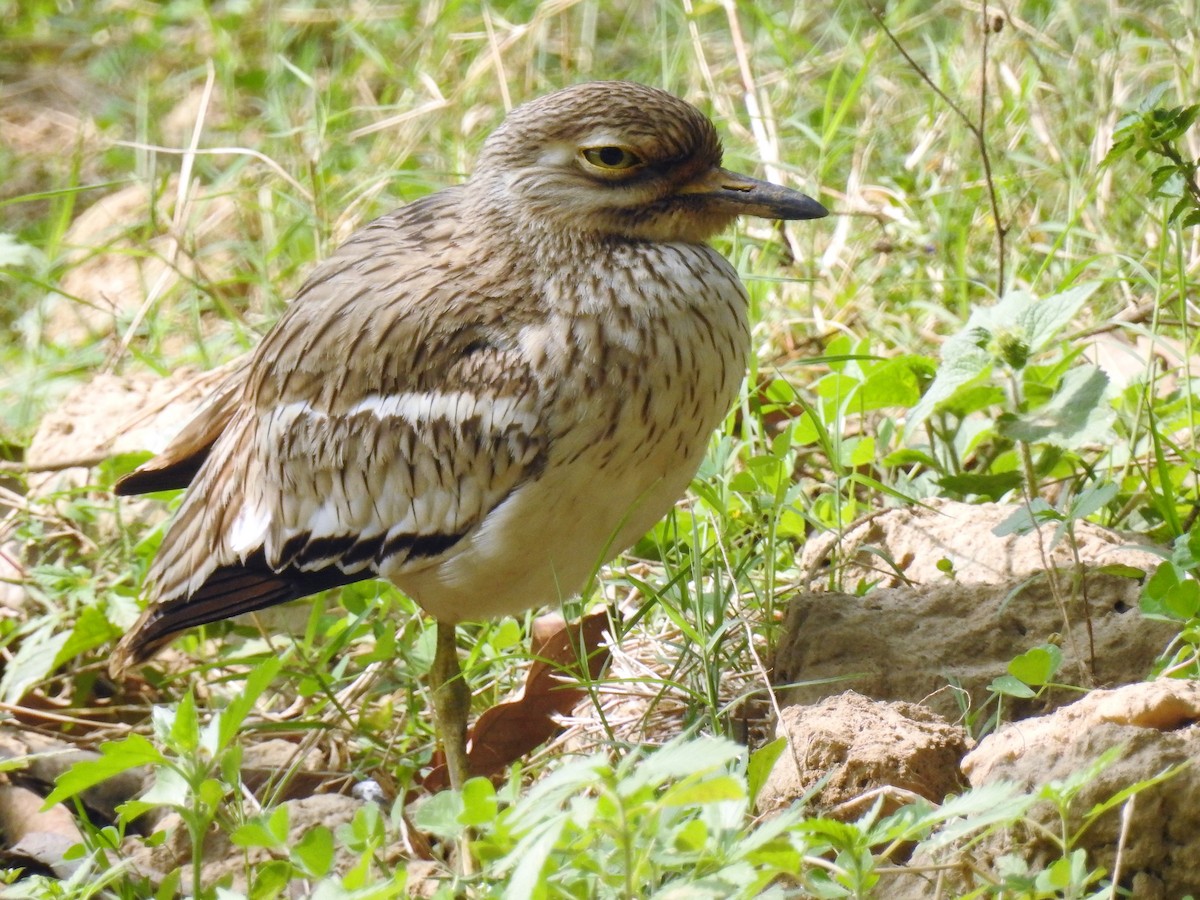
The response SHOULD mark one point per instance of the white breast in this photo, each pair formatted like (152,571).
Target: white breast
(638,383)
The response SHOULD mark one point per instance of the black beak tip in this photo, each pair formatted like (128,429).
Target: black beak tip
(806,208)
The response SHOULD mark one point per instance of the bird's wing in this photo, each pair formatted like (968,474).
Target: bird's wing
(377,424)
(178,463)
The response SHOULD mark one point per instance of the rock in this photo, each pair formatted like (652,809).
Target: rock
(863,745)
(112,272)
(114,414)
(1158,726)
(904,547)
(911,641)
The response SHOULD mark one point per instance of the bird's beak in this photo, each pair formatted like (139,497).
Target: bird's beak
(745,196)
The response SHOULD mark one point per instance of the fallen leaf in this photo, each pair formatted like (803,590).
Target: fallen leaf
(552,688)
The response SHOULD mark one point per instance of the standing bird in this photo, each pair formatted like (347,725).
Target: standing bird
(481,396)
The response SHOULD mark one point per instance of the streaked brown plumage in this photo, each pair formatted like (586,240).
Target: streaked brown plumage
(484,394)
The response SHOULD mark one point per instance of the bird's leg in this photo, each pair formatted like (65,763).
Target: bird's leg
(451,704)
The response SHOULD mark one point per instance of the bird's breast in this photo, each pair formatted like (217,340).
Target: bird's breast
(639,359)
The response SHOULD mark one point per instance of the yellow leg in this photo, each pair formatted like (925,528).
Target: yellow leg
(451,704)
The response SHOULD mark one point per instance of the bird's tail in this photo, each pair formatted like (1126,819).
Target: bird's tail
(229,591)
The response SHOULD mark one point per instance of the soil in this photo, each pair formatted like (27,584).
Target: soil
(952,605)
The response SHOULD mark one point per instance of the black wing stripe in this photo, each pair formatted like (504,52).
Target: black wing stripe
(231,591)
(346,551)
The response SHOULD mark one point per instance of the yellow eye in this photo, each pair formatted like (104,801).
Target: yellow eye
(611,157)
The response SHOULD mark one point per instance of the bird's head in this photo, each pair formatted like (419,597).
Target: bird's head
(621,159)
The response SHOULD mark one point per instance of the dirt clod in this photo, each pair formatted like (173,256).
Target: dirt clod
(864,746)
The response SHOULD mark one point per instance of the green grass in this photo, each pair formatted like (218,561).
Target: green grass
(316,119)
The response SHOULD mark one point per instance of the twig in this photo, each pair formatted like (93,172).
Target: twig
(978,129)
(1126,819)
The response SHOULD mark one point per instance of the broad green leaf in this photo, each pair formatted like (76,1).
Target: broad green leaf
(691,837)
(1121,570)
(1026,517)
(977,809)
(115,757)
(314,852)
(170,788)
(707,790)
(682,758)
(479,802)
(1041,320)
(1092,500)
(268,830)
(896,382)
(858,451)
(1183,600)
(271,879)
(441,815)
(1036,666)
(1164,578)
(993,334)
(91,630)
(1011,687)
(992,485)
(963,360)
(32,662)
(1078,414)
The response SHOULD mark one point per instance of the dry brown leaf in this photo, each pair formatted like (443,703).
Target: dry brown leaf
(36,840)
(509,730)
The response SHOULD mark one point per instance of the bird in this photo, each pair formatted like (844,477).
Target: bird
(481,396)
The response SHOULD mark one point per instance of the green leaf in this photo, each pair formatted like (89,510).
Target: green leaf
(992,334)
(993,486)
(962,362)
(680,759)
(1036,666)
(270,831)
(91,630)
(707,790)
(1122,570)
(896,382)
(1011,687)
(235,713)
(32,662)
(170,788)
(1183,600)
(1164,578)
(441,815)
(1078,414)
(692,837)
(270,879)
(314,852)
(115,757)
(1026,517)
(1092,500)
(185,726)
(758,769)
(479,802)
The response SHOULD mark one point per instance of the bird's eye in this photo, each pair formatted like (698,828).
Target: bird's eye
(615,158)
